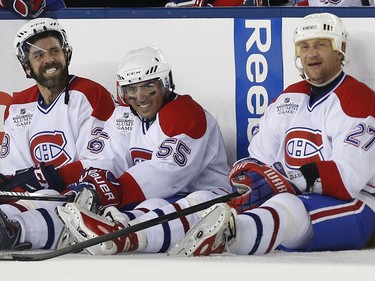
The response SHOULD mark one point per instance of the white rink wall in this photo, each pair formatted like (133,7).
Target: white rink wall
(201,50)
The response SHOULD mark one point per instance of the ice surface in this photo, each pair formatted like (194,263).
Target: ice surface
(278,266)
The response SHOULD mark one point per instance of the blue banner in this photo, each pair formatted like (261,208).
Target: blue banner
(259,73)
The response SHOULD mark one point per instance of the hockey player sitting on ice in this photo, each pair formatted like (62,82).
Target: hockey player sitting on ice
(159,146)
(320,132)
(49,124)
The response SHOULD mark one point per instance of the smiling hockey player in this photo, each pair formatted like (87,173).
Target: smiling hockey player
(48,125)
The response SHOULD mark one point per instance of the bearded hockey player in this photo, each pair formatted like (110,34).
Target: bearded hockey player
(48,125)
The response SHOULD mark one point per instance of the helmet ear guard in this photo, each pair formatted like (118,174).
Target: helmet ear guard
(36,27)
(322,26)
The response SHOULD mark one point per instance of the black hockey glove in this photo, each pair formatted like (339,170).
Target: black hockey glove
(33,179)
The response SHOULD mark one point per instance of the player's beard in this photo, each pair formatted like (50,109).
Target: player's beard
(50,83)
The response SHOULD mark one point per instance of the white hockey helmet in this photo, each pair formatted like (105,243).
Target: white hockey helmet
(324,26)
(144,64)
(35,27)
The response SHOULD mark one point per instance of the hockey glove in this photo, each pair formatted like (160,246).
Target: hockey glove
(261,181)
(105,184)
(25,8)
(33,179)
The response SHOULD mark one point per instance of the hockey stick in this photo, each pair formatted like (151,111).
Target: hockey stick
(32,196)
(112,235)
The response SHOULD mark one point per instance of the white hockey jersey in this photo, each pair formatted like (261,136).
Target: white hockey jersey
(55,134)
(337,131)
(181,151)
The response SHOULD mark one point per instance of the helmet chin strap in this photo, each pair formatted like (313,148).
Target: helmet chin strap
(300,69)
(327,82)
(306,78)
(66,94)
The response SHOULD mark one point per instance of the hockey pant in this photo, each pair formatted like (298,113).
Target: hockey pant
(304,223)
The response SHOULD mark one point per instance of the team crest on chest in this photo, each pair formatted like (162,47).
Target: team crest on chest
(287,107)
(49,147)
(125,122)
(302,146)
(23,118)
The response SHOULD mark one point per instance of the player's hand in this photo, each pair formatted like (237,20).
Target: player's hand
(259,180)
(33,179)
(4,180)
(25,8)
(104,182)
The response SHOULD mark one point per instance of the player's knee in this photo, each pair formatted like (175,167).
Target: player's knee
(291,205)
(153,203)
(294,217)
(287,199)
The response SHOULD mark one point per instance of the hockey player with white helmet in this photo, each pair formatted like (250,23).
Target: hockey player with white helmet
(174,150)
(158,132)
(318,135)
(160,147)
(48,125)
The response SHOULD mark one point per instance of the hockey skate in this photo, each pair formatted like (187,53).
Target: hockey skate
(83,225)
(10,233)
(88,198)
(210,235)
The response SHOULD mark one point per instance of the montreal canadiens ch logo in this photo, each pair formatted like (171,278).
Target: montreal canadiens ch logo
(49,147)
(302,146)
(139,155)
